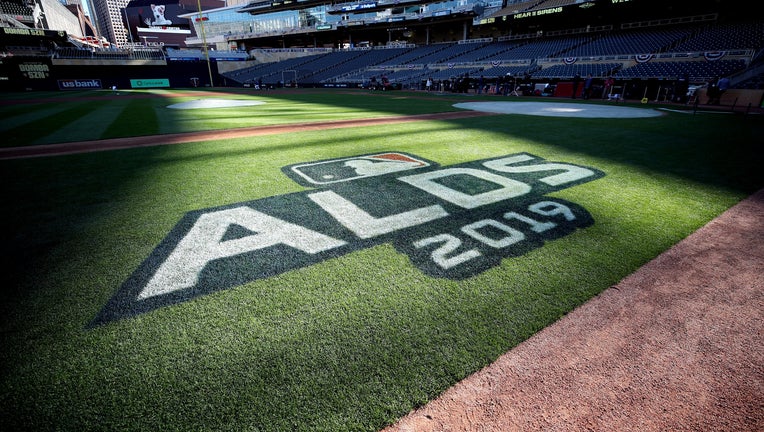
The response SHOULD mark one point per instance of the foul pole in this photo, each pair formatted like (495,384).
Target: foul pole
(204,41)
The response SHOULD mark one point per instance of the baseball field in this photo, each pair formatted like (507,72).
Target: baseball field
(320,260)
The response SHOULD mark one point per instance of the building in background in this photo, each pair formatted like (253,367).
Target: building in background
(54,15)
(152,23)
(87,28)
(69,17)
(107,15)
(146,22)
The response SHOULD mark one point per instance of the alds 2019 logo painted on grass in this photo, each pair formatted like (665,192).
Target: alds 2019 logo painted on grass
(452,222)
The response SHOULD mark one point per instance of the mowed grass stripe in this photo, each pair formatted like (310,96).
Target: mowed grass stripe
(20,113)
(136,117)
(95,123)
(17,120)
(34,129)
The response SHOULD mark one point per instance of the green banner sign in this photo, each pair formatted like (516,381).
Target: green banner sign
(148,83)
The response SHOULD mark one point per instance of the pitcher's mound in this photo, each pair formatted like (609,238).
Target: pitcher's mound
(214,103)
(559,109)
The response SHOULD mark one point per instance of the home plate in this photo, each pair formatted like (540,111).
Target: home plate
(214,103)
(559,109)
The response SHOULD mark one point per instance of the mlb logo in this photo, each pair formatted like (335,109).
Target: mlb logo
(346,169)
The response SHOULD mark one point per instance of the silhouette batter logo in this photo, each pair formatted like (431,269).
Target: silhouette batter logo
(452,222)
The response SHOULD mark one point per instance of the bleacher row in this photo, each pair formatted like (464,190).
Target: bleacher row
(90,54)
(409,66)
(15,9)
(172,53)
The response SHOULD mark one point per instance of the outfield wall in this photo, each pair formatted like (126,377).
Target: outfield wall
(736,97)
(42,73)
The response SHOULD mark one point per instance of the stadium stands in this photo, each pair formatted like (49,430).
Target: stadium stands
(134,54)
(697,71)
(485,51)
(725,37)
(566,71)
(416,55)
(642,53)
(15,9)
(632,42)
(541,48)
(701,47)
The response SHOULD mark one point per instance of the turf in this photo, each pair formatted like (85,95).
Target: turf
(347,344)
(103,114)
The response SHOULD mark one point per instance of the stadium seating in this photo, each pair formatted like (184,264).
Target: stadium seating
(540,48)
(485,51)
(414,55)
(448,52)
(725,37)
(631,42)
(584,69)
(697,71)
(635,55)
(15,9)
(343,63)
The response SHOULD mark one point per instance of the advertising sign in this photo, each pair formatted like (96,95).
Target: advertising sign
(79,84)
(149,83)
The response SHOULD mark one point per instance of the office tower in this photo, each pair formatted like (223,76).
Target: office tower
(109,20)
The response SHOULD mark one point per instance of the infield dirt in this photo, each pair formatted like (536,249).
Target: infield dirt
(676,346)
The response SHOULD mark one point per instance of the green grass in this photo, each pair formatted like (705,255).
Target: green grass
(348,344)
(103,114)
